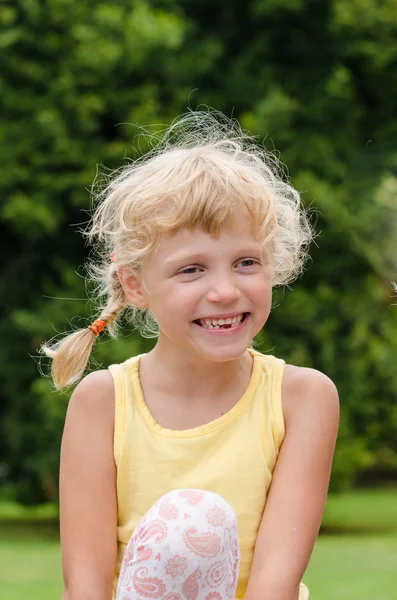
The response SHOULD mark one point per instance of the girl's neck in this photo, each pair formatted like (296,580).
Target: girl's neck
(177,373)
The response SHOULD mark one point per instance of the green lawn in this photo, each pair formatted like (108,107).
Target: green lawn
(343,566)
(362,511)
(30,569)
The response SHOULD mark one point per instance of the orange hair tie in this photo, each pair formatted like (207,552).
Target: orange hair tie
(97,326)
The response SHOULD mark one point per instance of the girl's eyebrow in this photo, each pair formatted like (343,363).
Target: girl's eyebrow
(199,256)
(182,258)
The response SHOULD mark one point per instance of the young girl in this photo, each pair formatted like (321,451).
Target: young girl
(197,471)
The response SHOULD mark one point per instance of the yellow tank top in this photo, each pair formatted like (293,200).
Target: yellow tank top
(233,456)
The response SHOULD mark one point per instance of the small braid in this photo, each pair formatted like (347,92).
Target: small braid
(115,304)
(71,354)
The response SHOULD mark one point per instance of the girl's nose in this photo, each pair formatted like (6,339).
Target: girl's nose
(223,289)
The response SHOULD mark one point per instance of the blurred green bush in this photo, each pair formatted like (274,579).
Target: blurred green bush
(317,79)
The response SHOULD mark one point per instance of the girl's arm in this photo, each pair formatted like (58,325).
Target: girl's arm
(297,495)
(88,507)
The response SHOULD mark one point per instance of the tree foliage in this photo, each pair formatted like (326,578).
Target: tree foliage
(316,79)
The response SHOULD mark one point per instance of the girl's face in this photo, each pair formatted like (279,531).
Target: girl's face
(209,295)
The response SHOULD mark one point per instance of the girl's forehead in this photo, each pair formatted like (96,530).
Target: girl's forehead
(237,235)
(234,227)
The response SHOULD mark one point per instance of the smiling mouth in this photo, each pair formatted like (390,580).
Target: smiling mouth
(212,323)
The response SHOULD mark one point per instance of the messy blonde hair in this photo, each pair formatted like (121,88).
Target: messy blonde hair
(202,171)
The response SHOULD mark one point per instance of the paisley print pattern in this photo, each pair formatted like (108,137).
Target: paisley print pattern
(204,544)
(168,510)
(193,496)
(217,573)
(148,587)
(232,551)
(178,555)
(190,588)
(156,529)
(143,553)
(176,565)
(216,516)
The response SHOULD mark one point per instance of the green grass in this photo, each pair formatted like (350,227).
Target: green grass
(30,568)
(342,568)
(12,511)
(345,567)
(362,511)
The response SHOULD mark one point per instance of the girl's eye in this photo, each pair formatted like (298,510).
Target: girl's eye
(188,271)
(247,262)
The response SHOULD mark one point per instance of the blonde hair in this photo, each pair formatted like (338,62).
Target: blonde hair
(202,171)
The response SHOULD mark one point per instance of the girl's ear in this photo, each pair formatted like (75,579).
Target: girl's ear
(133,288)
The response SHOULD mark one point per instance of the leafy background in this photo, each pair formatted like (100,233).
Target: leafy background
(316,79)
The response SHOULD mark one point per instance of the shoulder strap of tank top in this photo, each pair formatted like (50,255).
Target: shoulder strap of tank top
(278,417)
(124,375)
(119,379)
(273,369)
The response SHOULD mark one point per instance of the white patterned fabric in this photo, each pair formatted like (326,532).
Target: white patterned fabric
(184,548)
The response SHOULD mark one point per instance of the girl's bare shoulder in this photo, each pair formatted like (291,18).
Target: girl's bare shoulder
(308,394)
(91,406)
(95,391)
